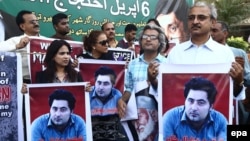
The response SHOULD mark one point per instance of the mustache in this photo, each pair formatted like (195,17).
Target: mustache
(195,26)
(35,26)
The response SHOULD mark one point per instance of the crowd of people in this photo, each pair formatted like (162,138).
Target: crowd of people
(201,41)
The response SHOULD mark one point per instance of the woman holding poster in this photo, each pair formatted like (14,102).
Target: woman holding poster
(58,65)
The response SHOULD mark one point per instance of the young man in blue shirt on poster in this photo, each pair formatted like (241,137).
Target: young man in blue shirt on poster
(60,123)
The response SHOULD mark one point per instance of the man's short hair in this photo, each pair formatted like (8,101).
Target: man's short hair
(130,27)
(57,17)
(224,26)
(61,94)
(102,27)
(19,17)
(203,84)
(104,70)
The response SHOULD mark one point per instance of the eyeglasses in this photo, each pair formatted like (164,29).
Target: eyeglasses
(151,37)
(199,17)
(103,43)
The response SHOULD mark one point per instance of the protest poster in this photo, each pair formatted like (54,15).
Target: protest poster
(88,67)
(120,54)
(172,83)
(11,120)
(37,103)
(37,50)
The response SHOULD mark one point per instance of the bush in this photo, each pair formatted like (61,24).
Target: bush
(238,42)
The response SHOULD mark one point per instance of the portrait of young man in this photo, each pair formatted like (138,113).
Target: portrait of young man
(196,118)
(63,111)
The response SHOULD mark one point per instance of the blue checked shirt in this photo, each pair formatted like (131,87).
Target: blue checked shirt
(138,71)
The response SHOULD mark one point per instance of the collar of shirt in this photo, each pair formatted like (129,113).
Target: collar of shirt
(209,44)
(124,39)
(65,79)
(158,58)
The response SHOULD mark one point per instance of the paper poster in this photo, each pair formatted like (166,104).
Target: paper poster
(37,104)
(37,51)
(172,82)
(89,66)
(11,120)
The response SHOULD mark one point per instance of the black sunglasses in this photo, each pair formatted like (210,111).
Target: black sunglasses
(104,42)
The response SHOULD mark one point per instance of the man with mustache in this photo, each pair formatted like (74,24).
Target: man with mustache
(60,123)
(202,49)
(196,120)
(220,33)
(143,71)
(28,24)
(109,30)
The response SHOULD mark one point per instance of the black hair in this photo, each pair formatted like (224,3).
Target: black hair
(224,26)
(91,39)
(105,70)
(200,83)
(179,7)
(57,17)
(50,62)
(61,94)
(130,27)
(20,19)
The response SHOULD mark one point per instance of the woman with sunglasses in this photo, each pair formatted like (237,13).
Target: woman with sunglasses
(96,46)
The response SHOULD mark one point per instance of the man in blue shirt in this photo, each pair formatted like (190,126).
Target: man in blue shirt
(60,123)
(196,120)
(106,125)
(219,33)
(144,69)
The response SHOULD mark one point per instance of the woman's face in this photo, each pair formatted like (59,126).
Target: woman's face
(101,44)
(62,57)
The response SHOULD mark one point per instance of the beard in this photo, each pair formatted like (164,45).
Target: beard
(148,129)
